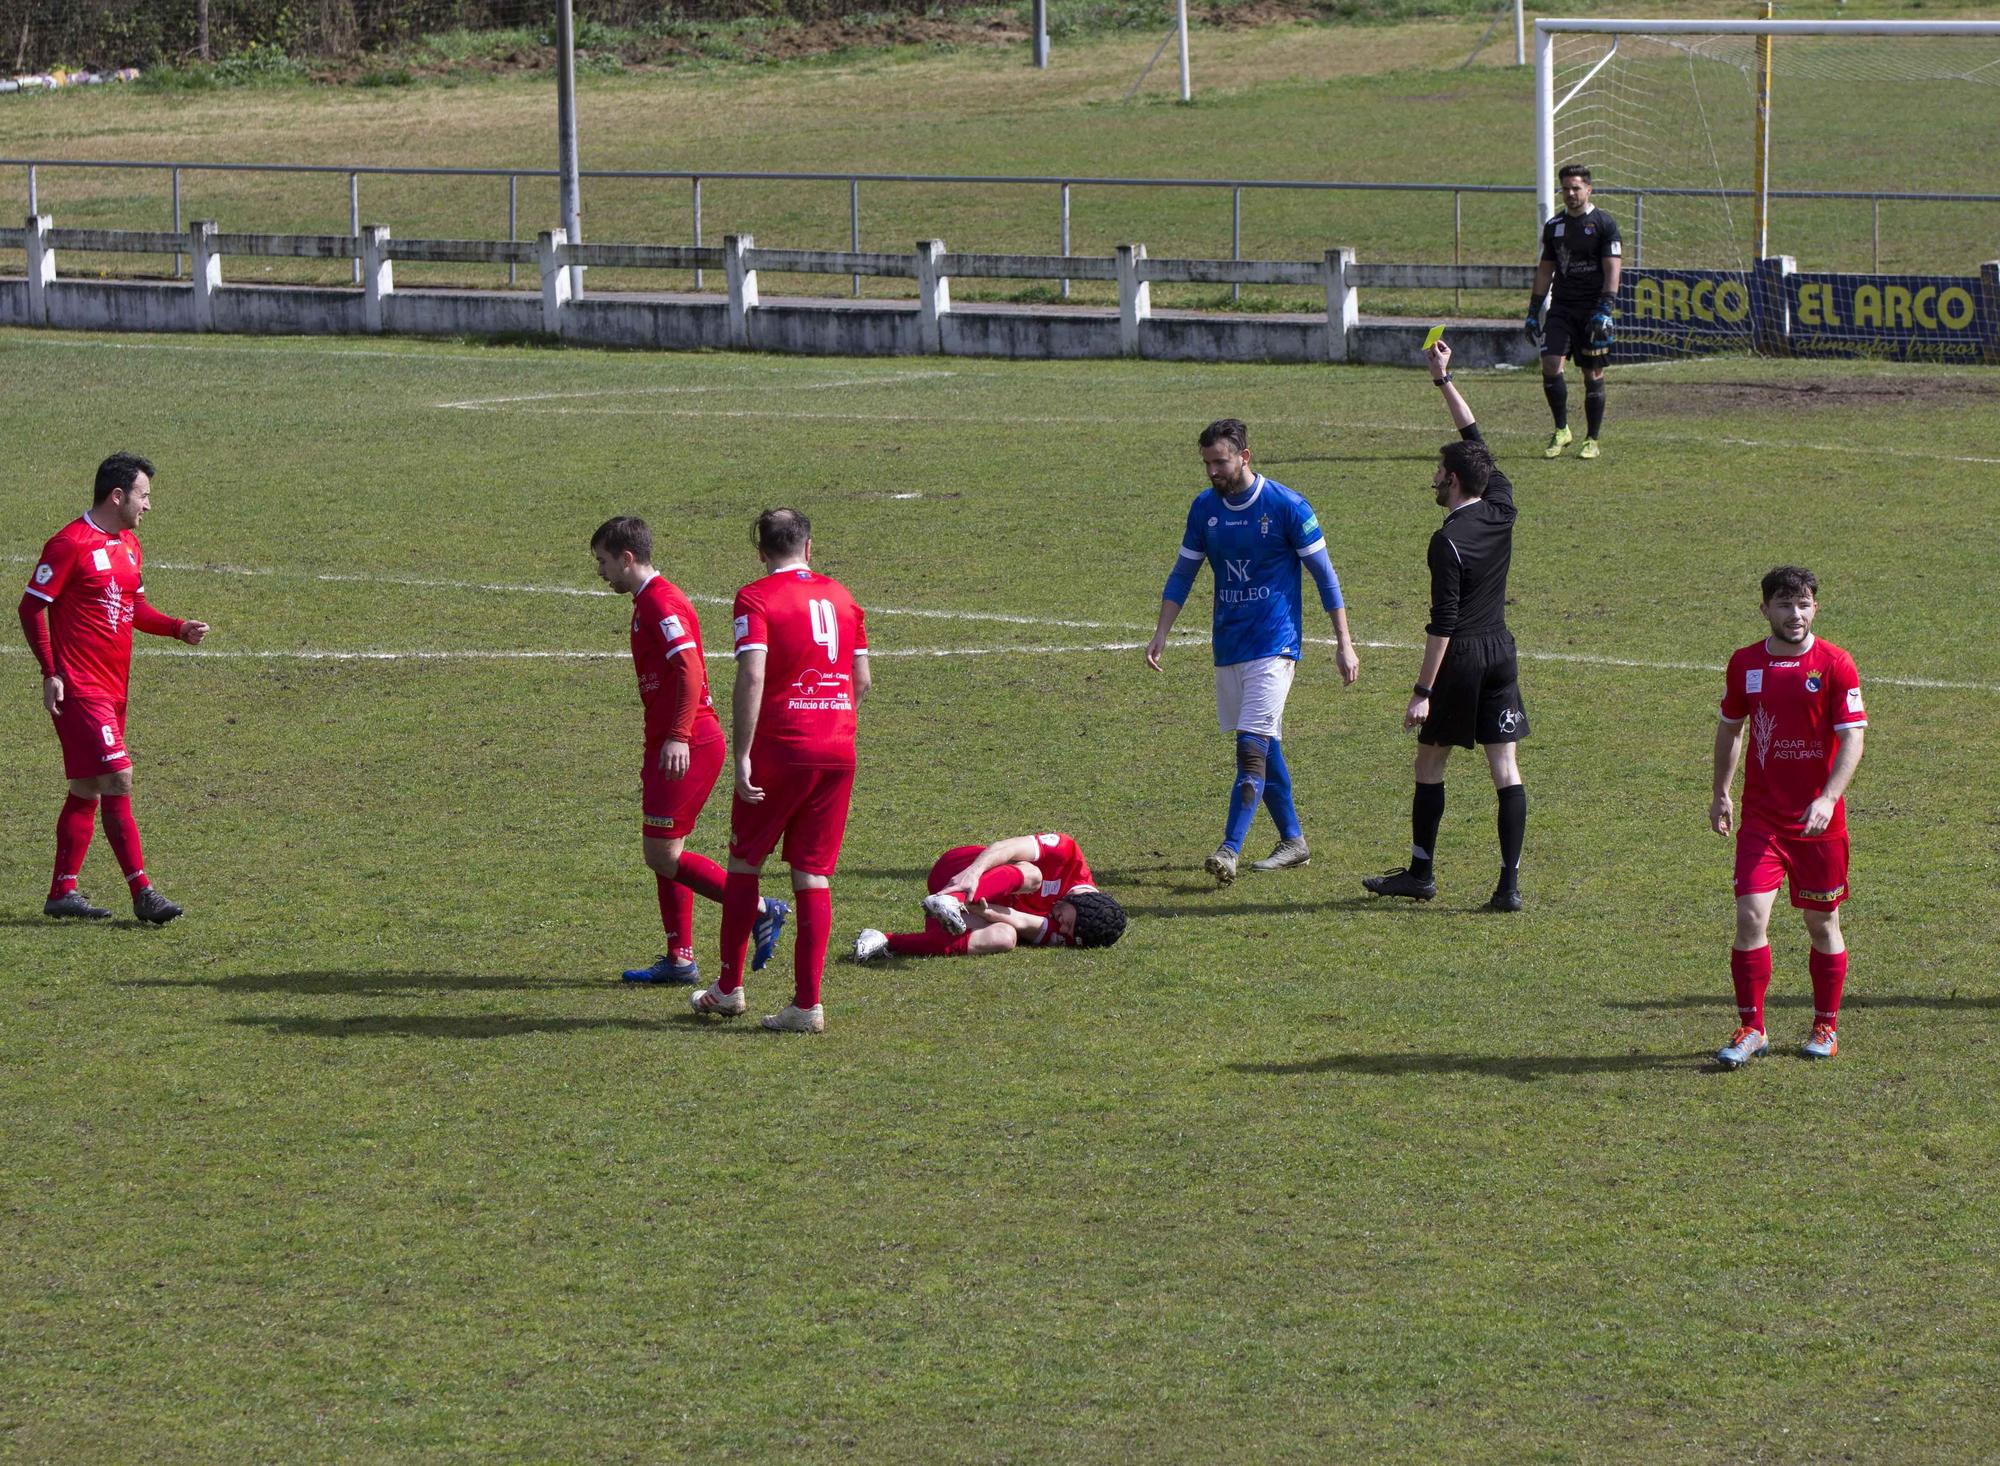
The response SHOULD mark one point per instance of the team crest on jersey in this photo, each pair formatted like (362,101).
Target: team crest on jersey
(1264,525)
(1812,682)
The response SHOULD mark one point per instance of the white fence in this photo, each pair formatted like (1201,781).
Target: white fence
(928,324)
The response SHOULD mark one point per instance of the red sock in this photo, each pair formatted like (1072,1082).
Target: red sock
(1751,973)
(701,875)
(74,827)
(1002,881)
(812,909)
(740,907)
(676,916)
(123,833)
(1829,976)
(938,943)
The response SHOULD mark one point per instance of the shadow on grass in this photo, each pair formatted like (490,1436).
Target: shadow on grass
(71,923)
(1522,1070)
(363,983)
(1722,1001)
(479,1026)
(1197,904)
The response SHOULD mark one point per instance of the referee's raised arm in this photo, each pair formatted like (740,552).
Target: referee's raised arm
(1439,357)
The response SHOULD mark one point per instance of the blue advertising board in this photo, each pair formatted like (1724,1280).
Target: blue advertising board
(1940,318)
(1665,313)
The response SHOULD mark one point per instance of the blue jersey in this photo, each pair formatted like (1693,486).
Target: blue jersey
(1255,545)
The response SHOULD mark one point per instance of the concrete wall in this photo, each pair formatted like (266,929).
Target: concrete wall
(107,305)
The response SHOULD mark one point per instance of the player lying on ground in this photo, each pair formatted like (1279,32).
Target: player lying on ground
(684,747)
(1027,891)
(1801,698)
(88,583)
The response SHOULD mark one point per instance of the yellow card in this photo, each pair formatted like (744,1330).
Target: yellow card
(1432,337)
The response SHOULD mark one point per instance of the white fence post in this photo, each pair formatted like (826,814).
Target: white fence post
(378,276)
(933,293)
(1135,297)
(555,279)
(41,268)
(204,274)
(742,285)
(1343,302)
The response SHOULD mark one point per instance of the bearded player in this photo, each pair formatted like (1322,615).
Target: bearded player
(801,673)
(1027,891)
(88,584)
(1801,698)
(684,746)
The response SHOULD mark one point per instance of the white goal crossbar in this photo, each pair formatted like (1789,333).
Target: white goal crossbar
(1546,105)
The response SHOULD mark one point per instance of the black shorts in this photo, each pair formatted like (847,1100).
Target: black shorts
(1566,332)
(1478,695)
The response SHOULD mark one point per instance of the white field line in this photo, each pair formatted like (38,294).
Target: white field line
(886,379)
(1174,643)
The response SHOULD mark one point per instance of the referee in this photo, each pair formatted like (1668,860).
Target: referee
(1469,688)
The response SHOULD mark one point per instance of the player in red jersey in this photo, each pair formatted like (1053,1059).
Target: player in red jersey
(801,671)
(1801,698)
(684,745)
(1028,891)
(88,584)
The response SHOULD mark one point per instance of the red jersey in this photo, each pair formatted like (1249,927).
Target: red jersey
(1796,702)
(1062,866)
(89,579)
(810,632)
(673,675)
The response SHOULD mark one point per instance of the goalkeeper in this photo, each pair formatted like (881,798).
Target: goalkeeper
(1580,257)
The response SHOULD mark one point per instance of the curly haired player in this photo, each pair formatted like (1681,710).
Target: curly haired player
(1026,891)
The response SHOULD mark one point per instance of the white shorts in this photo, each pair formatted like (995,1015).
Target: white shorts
(1250,696)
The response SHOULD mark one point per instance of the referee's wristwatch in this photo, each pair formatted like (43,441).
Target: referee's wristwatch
(1440,381)
(1423,691)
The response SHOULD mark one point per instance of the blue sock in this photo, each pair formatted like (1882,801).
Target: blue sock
(1248,790)
(1278,793)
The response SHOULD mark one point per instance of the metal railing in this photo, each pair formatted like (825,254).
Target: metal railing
(1063,185)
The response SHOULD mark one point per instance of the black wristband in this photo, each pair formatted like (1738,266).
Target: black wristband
(1440,381)
(1423,691)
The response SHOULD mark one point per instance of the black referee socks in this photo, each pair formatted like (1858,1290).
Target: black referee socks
(1426,814)
(1513,833)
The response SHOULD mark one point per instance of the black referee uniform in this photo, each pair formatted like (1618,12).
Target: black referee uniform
(1477,697)
(1578,249)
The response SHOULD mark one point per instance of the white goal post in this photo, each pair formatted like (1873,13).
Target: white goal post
(1548,103)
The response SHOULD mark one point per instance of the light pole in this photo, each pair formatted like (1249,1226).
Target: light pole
(566,166)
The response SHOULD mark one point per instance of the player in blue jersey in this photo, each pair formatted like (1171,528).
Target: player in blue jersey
(1255,533)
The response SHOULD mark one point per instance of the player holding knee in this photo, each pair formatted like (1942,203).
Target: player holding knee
(1255,533)
(1027,891)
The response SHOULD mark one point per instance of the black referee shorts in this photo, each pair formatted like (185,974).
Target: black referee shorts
(1566,332)
(1477,698)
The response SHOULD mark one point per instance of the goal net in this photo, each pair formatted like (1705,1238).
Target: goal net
(1675,118)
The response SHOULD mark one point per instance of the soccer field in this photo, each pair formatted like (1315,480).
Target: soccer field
(370,1156)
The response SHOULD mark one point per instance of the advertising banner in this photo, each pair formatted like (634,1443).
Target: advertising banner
(1683,313)
(1941,318)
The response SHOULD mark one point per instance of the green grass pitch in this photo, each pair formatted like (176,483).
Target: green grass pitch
(370,1157)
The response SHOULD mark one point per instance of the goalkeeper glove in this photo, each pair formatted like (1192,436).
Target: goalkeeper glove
(1600,328)
(1534,324)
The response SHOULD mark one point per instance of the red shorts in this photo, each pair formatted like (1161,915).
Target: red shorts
(1815,870)
(671,806)
(92,733)
(807,808)
(948,865)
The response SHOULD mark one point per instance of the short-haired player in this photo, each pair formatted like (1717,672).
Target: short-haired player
(801,673)
(1581,257)
(1800,699)
(1255,534)
(684,745)
(1024,891)
(88,584)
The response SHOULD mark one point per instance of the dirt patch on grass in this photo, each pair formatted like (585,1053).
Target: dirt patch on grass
(1708,399)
